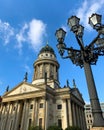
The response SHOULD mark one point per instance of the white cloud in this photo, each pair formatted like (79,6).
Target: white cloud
(36,33)
(20,36)
(65,28)
(32,33)
(6,32)
(87,8)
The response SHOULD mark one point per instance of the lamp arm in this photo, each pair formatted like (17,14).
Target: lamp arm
(99,51)
(92,43)
(80,42)
(71,49)
(64,57)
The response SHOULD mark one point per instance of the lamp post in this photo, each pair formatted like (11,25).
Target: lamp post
(85,57)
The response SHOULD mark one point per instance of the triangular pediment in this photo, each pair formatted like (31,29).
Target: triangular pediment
(22,88)
(76,93)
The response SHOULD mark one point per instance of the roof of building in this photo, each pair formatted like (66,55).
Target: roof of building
(47,48)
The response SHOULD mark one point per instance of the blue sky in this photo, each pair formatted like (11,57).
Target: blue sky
(26,26)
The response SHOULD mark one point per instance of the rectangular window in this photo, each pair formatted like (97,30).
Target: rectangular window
(40,122)
(60,123)
(59,106)
(41,105)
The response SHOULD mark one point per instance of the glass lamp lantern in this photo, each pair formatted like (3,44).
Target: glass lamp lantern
(60,35)
(95,21)
(73,23)
(100,41)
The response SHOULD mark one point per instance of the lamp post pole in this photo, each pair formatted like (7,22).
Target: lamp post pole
(85,57)
(96,109)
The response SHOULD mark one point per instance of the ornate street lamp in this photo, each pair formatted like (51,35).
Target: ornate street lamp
(85,57)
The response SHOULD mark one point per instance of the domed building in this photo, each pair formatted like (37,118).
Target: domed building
(43,102)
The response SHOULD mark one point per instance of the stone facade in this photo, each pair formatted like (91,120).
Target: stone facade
(89,117)
(43,102)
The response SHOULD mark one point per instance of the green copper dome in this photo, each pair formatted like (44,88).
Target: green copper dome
(47,48)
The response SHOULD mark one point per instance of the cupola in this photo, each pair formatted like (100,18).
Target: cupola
(46,64)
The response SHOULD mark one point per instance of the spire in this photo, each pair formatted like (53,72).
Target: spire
(26,77)
(47,42)
(74,84)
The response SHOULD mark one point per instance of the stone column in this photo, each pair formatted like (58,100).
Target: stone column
(15,107)
(46,112)
(49,74)
(70,112)
(74,114)
(26,115)
(83,119)
(54,72)
(9,116)
(66,114)
(2,118)
(23,116)
(42,70)
(80,118)
(17,117)
(77,116)
(1,108)
(34,112)
(85,126)
(1,114)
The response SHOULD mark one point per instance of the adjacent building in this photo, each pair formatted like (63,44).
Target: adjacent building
(43,102)
(89,116)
